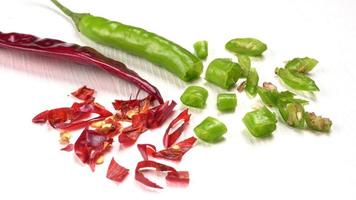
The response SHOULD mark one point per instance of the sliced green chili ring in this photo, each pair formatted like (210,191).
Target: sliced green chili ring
(194,96)
(252,82)
(210,130)
(223,72)
(301,65)
(201,49)
(317,123)
(260,123)
(297,81)
(245,64)
(226,102)
(246,46)
(292,113)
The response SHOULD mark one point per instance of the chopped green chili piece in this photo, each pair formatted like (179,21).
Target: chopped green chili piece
(246,46)
(201,49)
(223,72)
(297,81)
(245,64)
(226,102)
(261,122)
(317,123)
(292,113)
(269,97)
(194,96)
(252,82)
(210,130)
(301,65)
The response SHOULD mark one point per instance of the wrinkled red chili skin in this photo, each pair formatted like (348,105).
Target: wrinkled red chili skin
(80,54)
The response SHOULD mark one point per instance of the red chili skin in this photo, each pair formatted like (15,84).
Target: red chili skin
(76,53)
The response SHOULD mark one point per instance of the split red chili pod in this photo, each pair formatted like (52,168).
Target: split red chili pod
(149,165)
(116,172)
(170,138)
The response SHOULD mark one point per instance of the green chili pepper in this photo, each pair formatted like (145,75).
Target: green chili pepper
(269,97)
(138,42)
(301,65)
(210,130)
(317,123)
(194,96)
(246,46)
(261,122)
(223,72)
(201,49)
(297,81)
(292,113)
(245,64)
(226,102)
(252,82)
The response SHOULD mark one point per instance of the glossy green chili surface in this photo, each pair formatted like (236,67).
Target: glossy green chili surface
(301,65)
(296,80)
(226,102)
(210,130)
(246,46)
(139,42)
(223,73)
(252,82)
(194,96)
(201,49)
(261,122)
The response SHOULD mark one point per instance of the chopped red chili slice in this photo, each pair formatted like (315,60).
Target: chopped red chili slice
(68,148)
(170,138)
(174,153)
(116,172)
(150,164)
(178,177)
(91,145)
(84,93)
(128,108)
(159,114)
(130,134)
(41,118)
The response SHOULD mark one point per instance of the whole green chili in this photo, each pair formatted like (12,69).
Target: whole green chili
(223,72)
(226,102)
(252,82)
(261,122)
(137,41)
(201,49)
(246,46)
(301,65)
(194,96)
(296,80)
(210,130)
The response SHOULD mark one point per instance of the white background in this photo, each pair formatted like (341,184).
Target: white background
(292,165)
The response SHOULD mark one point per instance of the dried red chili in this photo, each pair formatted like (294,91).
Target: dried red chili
(68,148)
(92,145)
(147,164)
(171,138)
(84,55)
(84,93)
(41,117)
(181,177)
(159,114)
(128,108)
(174,153)
(116,172)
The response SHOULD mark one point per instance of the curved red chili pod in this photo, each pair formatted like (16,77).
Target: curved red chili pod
(84,55)
(116,172)
(170,138)
(146,150)
(150,164)
(84,93)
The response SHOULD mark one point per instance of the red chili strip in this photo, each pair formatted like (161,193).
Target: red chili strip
(174,153)
(90,146)
(41,118)
(68,148)
(181,177)
(170,138)
(128,108)
(159,114)
(116,172)
(76,53)
(84,93)
(146,165)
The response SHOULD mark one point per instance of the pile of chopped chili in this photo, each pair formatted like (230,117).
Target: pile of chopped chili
(100,129)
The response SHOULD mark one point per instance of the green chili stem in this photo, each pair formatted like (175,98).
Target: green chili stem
(76,17)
